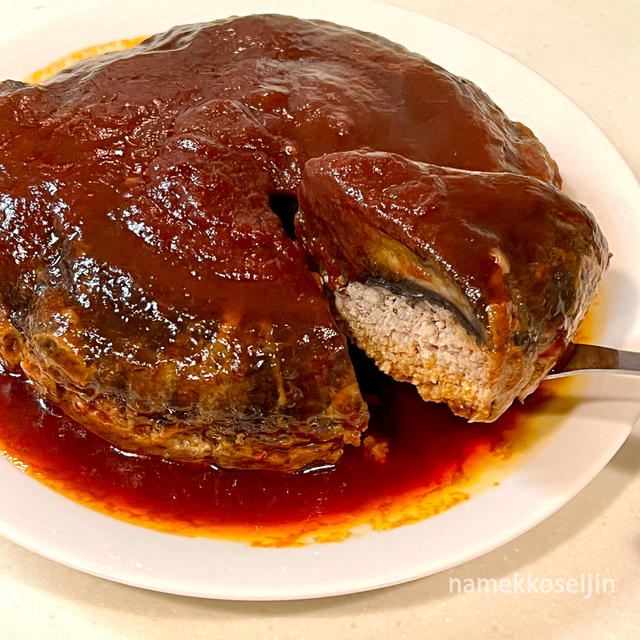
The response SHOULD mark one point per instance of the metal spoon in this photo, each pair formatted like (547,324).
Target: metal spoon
(590,358)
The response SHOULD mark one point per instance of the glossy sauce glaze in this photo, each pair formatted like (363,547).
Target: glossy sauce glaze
(430,461)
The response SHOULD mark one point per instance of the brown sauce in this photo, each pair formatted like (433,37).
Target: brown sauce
(433,461)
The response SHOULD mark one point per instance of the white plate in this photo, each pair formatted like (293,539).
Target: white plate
(587,437)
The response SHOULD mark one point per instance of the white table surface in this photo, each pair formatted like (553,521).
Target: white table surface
(590,49)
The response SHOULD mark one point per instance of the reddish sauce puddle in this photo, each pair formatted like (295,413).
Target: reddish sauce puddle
(429,449)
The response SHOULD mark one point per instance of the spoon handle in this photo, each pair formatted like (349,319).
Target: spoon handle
(590,358)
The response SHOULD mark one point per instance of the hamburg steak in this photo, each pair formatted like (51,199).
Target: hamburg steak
(149,287)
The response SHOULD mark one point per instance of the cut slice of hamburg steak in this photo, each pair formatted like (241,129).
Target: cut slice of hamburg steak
(467,284)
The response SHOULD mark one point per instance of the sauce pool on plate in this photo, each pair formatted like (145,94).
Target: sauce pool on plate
(416,460)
